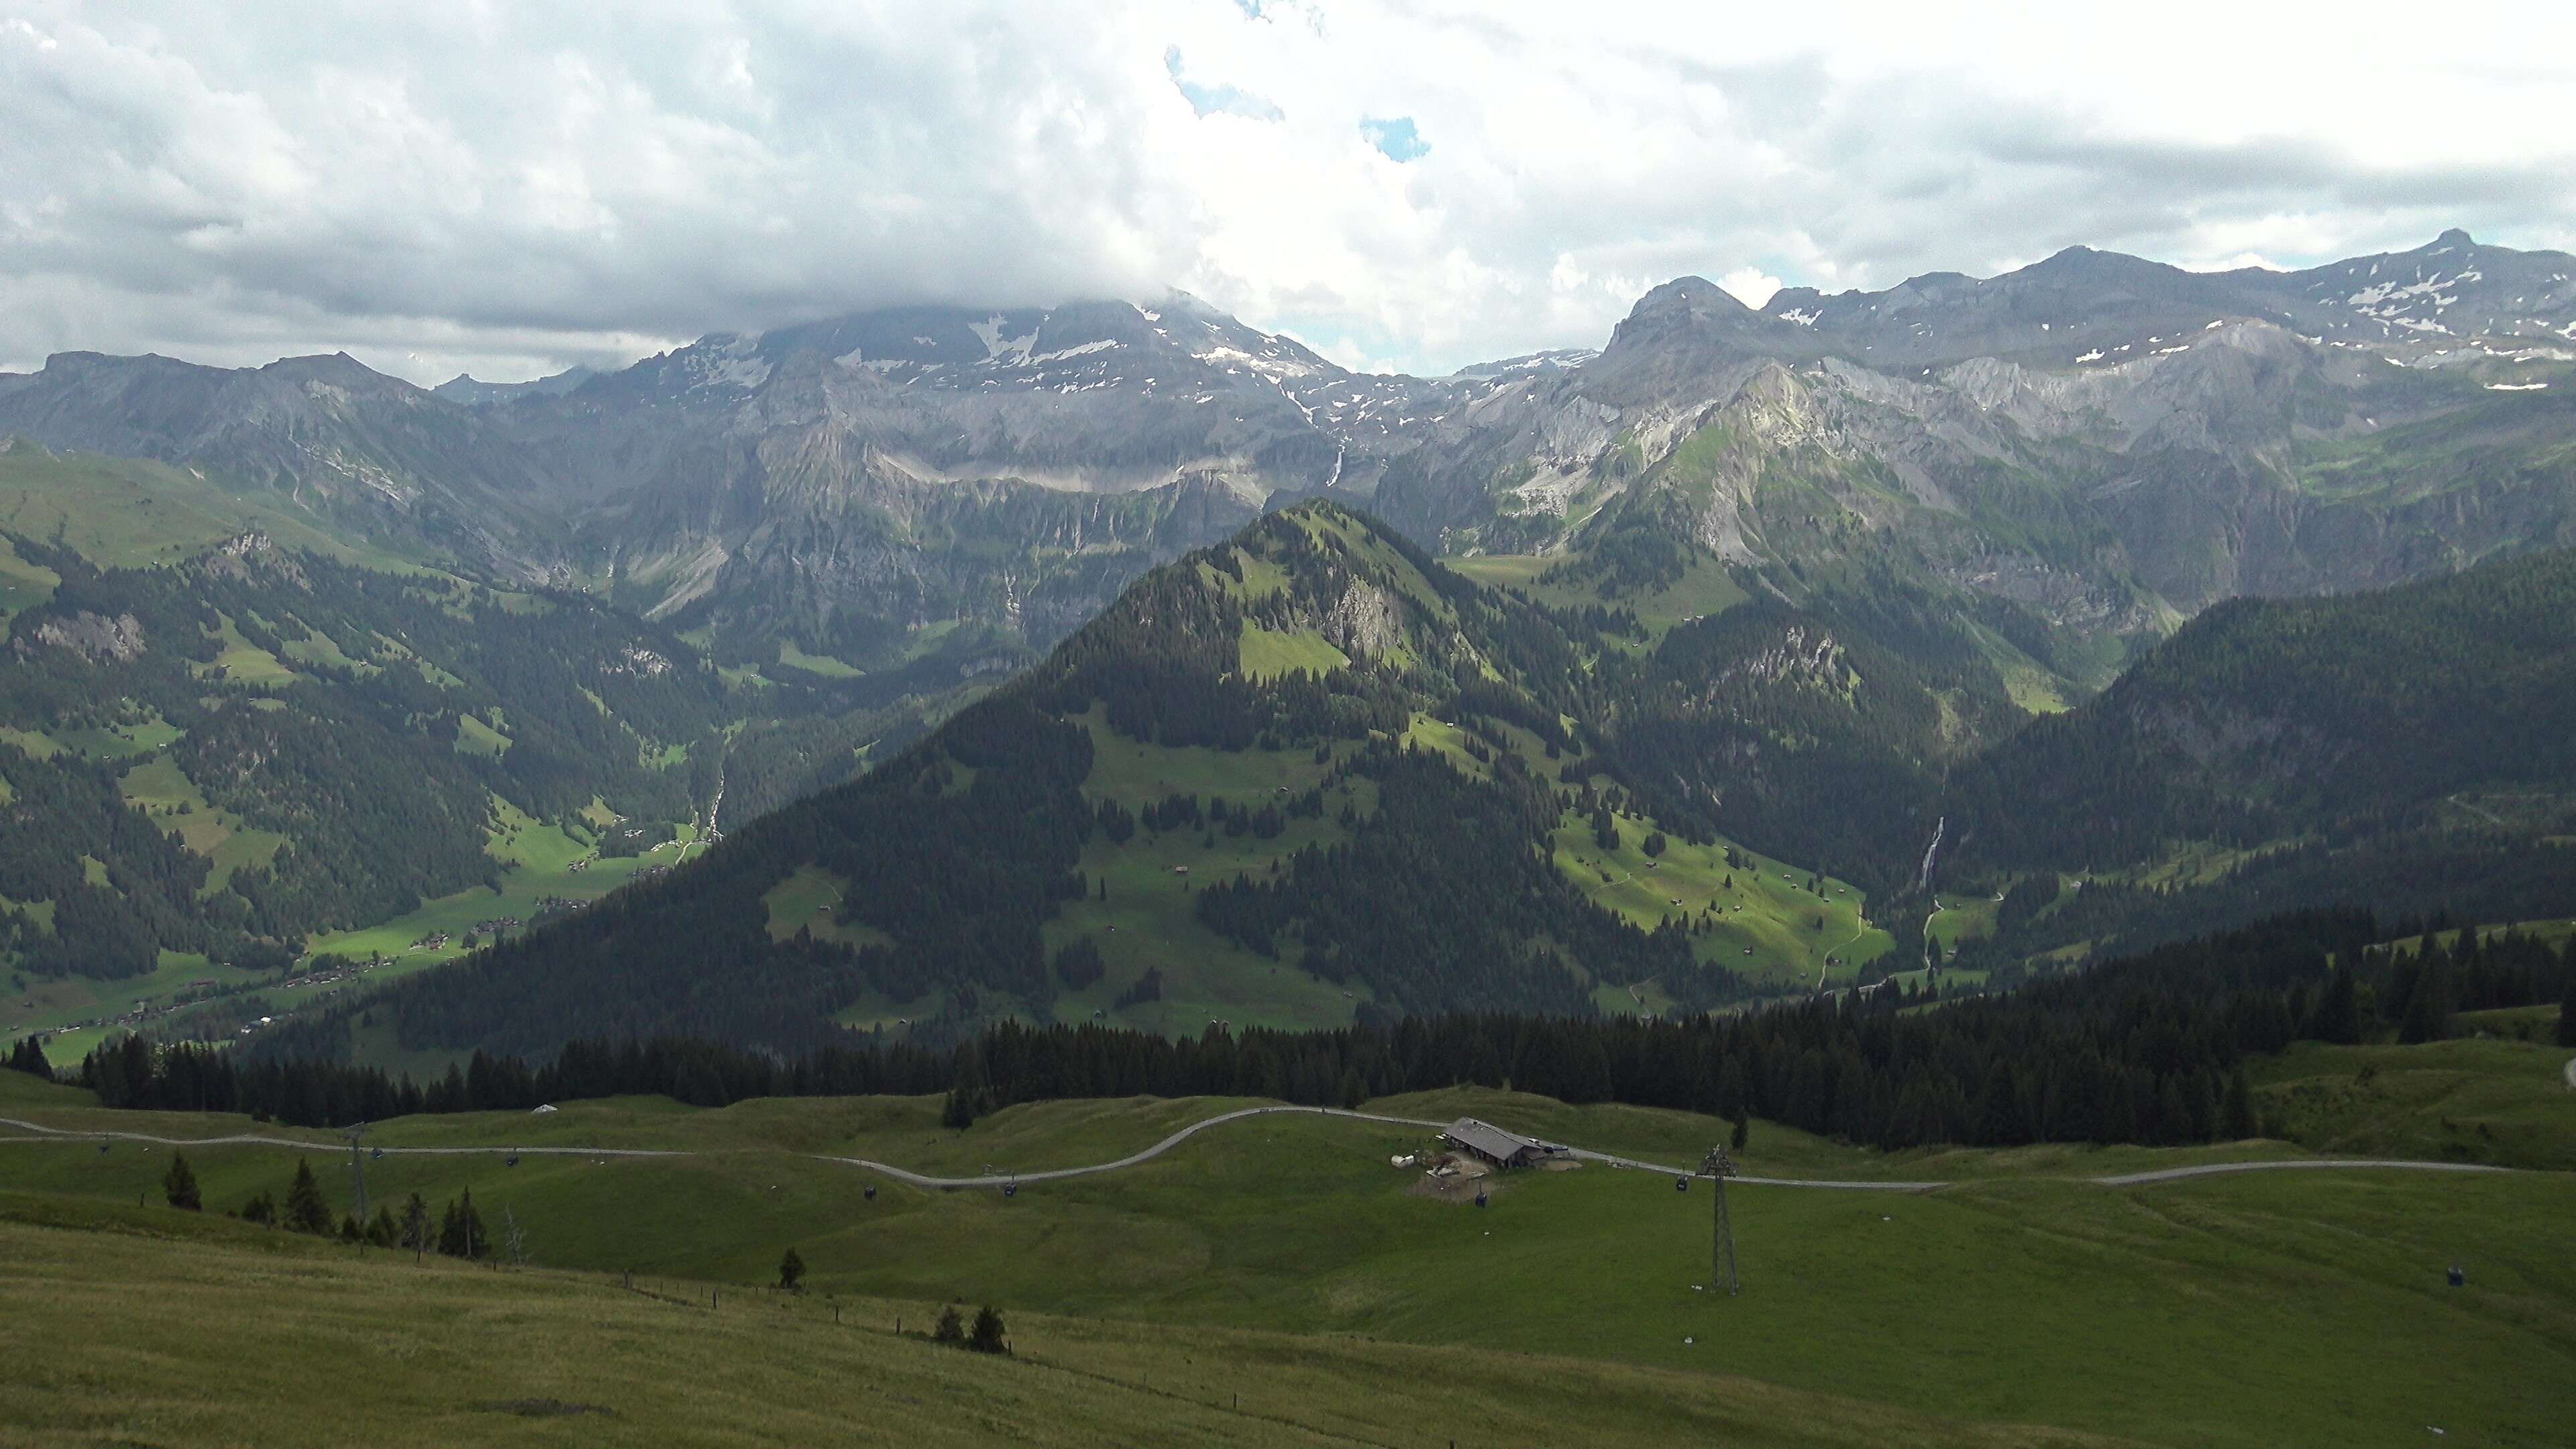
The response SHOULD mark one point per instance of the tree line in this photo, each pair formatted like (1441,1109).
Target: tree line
(2150,1049)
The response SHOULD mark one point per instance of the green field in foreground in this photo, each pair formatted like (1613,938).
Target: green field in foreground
(444,1353)
(2262,1308)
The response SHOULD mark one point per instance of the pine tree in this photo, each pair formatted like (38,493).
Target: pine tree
(29,1056)
(478,1244)
(261,1209)
(460,1232)
(2236,1114)
(306,1212)
(1743,1132)
(415,1227)
(179,1186)
(791,1270)
(2428,1007)
(2567,1007)
(951,1327)
(1999,1122)
(988,1334)
(2337,1018)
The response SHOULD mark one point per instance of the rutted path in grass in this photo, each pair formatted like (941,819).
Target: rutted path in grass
(2170,1174)
(254,1139)
(1822,966)
(1134,1159)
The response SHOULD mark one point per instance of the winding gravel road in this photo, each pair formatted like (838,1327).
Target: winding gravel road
(2169,1174)
(252,1139)
(40,1133)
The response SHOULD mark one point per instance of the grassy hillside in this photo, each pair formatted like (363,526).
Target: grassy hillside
(129,513)
(2489,1098)
(2247,1309)
(455,1355)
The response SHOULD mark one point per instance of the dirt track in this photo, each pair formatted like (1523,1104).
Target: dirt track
(39,1132)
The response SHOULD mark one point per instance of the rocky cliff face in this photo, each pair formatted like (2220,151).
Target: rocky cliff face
(2109,443)
(2113,442)
(370,454)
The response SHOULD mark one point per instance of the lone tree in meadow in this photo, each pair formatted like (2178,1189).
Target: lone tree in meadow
(951,1327)
(1743,1131)
(989,1335)
(415,1227)
(306,1212)
(179,1186)
(791,1271)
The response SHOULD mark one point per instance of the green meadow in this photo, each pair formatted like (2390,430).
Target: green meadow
(2245,1309)
(447,1353)
(1704,588)
(127,513)
(2488,1098)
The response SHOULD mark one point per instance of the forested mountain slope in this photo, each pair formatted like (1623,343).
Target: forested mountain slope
(231,725)
(2269,719)
(2404,749)
(1305,776)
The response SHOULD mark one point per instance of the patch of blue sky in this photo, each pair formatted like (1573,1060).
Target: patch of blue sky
(1210,100)
(1395,137)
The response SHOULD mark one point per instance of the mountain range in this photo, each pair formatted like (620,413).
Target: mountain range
(1781,588)
(2108,443)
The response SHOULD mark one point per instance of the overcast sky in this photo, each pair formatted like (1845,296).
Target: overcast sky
(511,188)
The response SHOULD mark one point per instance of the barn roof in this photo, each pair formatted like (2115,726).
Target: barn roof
(1489,1140)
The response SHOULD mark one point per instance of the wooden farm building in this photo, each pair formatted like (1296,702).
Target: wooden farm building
(1494,1145)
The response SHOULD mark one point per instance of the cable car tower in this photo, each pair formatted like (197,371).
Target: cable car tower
(357,1170)
(1721,1249)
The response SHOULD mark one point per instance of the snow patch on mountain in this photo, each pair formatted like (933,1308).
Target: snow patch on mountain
(1085,350)
(997,348)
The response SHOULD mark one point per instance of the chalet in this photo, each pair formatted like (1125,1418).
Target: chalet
(1494,1145)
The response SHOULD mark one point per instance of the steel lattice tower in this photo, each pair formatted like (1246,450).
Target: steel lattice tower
(358,1172)
(1721,1249)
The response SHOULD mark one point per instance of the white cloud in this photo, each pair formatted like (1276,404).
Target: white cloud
(515,188)
(1751,285)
